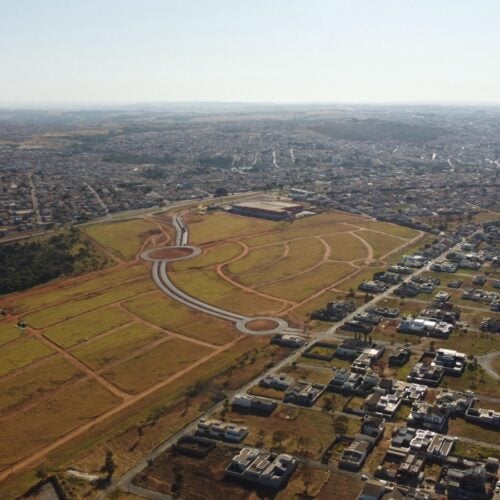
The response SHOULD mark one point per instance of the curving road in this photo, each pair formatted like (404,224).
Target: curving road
(485,362)
(165,284)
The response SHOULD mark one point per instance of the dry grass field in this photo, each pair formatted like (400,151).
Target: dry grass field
(306,285)
(210,257)
(21,353)
(164,312)
(208,286)
(382,244)
(299,431)
(257,259)
(301,255)
(104,352)
(51,419)
(346,246)
(33,384)
(123,238)
(86,303)
(222,226)
(153,365)
(122,342)
(70,289)
(292,262)
(87,325)
(8,332)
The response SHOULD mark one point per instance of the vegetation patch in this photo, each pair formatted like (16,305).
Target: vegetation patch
(321,350)
(296,431)
(474,378)
(461,428)
(25,265)
(472,343)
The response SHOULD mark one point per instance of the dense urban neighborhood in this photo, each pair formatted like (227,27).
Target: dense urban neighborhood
(250,302)
(400,164)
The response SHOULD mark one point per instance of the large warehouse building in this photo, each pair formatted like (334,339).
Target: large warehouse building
(274,210)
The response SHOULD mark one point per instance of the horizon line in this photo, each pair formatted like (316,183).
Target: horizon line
(41,104)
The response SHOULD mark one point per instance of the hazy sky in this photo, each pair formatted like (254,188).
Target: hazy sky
(249,50)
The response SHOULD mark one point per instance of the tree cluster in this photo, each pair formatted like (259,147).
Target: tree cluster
(24,265)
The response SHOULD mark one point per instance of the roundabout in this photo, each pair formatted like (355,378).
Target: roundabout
(170,254)
(261,325)
(161,256)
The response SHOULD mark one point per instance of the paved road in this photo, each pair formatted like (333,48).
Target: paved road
(97,197)
(134,214)
(485,362)
(165,284)
(125,481)
(34,199)
(275,163)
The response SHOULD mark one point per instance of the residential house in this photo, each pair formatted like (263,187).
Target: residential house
(427,416)
(254,402)
(303,393)
(426,375)
(217,429)
(280,381)
(354,455)
(261,468)
(452,362)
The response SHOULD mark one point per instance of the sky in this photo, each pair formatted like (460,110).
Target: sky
(279,51)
